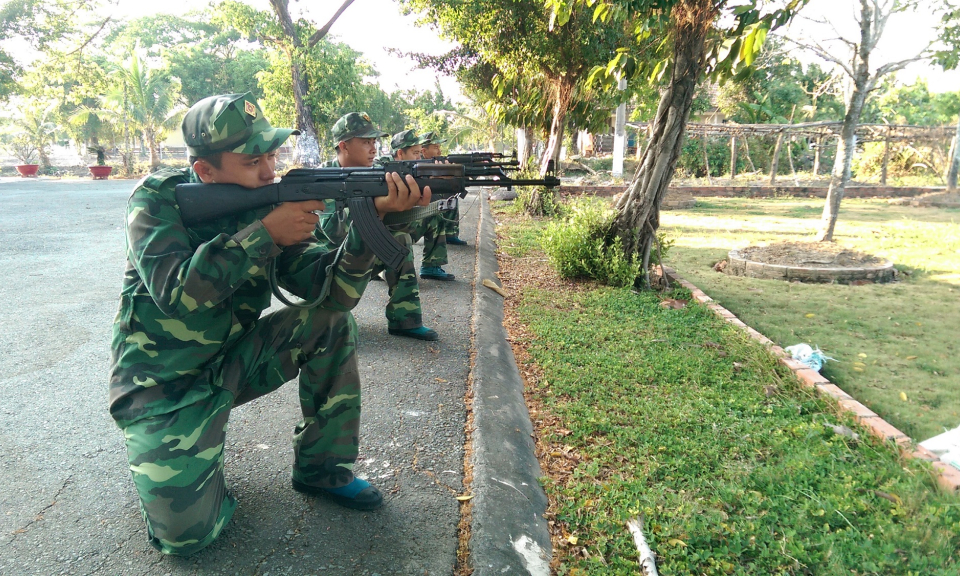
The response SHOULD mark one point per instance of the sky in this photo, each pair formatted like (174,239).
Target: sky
(906,35)
(368,26)
(374,26)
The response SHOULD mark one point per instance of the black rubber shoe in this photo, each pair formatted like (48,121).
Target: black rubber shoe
(368,498)
(421,333)
(436,273)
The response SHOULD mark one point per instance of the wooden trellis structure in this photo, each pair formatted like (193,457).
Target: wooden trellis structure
(817,132)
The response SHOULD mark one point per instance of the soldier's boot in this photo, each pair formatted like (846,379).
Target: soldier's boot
(359,494)
(435,273)
(456,241)
(420,333)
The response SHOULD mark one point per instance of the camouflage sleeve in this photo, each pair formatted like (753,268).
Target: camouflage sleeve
(302,269)
(183,279)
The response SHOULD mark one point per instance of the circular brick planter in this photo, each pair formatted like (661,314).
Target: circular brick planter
(737,265)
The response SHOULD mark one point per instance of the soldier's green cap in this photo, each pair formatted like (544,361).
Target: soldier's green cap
(431,138)
(230,123)
(404,139)
(355,125)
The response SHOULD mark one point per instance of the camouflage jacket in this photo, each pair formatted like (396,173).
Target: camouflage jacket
(189,293)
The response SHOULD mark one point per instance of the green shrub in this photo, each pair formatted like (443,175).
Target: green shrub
(544,203)
(578,246)
(903,160)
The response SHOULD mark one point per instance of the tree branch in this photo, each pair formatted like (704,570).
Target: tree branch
(319,34)
(824,54)
(894,66)
(92,36)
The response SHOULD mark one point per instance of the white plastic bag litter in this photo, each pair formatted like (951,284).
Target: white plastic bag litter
(810,357)
(946,446)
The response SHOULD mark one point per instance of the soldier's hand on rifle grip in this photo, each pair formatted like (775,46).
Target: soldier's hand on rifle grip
(292,222)
(403,195)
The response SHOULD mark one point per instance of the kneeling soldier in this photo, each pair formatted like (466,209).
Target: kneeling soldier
(189,341)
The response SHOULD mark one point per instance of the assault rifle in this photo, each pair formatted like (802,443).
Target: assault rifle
(482,159)
(347,187)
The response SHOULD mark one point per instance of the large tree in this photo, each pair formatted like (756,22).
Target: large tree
(45,25)
(295,39)
(143,100)
(681,41)
(207,55)
(512,50)
(853,55)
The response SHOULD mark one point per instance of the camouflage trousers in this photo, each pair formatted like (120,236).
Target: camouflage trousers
(448,225)
(177,458)
(403,308)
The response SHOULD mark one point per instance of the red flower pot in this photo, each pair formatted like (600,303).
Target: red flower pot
(28,170)
(100,172)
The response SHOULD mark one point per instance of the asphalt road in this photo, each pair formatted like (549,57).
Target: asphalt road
(67,503)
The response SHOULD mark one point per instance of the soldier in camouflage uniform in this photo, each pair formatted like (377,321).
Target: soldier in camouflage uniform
(355,136)
(430,148)
(189,342)
(407,146)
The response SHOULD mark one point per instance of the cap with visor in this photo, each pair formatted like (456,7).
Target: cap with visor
(355,125)
(431,138)
(230,123)
(404,139)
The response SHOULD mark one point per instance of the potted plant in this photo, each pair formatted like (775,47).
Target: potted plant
(100,171)
(23,149)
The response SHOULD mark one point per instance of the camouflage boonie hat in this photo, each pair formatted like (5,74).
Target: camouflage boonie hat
(431,138)
(355,125)
(230,123)
(404,139)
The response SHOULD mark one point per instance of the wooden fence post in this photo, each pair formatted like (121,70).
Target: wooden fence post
(775,162)
(733,157)
(886,157)
(816,156)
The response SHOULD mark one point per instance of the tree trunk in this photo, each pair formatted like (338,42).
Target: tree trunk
(542,198)
(561,130)
(148,135)
(775,162)
(524,146)
(733,157)
(308,149)
(563,93)
(638,209)
(954,162)
(846,147)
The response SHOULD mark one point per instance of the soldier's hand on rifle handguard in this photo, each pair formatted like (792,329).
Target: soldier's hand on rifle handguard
(404,194)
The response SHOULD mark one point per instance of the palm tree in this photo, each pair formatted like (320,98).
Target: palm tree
(36,127)
(144,100)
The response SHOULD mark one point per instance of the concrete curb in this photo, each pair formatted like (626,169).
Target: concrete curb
(947,476)
(508,534)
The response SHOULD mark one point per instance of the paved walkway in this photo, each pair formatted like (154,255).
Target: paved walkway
(67,504)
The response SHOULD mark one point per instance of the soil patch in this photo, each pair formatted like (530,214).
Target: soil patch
(810,255)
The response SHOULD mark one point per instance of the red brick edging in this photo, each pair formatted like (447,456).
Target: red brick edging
(947,476)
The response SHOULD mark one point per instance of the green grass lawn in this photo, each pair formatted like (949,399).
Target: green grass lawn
(678,417)
(895,344)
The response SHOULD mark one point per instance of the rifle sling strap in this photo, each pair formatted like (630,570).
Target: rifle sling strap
(420,212)
(327,280)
